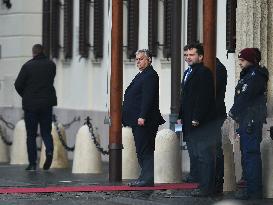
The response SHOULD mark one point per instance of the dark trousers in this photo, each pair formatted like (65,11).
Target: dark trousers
(193,161)
(252,164)
(203,147)
(219,163)
(144,137)
(43,117)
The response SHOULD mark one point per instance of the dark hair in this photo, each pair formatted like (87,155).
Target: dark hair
(37,49)
(198,46)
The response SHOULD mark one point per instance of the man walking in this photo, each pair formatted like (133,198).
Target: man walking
(141,112)
(35,85)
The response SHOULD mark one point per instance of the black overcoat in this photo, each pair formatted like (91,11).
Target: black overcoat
(141,99)
(34,83)
(221,83)
(198,101)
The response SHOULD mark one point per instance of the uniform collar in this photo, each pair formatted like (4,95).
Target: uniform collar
(247,70)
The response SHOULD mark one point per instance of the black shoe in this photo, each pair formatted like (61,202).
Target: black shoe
(200,193)
(133,182)
(142,183)
(218,192)
(48,161)
(241,183)
(31,167)
(243,195)
(189,179)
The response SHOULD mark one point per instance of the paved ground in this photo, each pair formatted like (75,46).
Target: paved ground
(16,176)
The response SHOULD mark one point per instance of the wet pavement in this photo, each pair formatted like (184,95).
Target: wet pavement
(14,176)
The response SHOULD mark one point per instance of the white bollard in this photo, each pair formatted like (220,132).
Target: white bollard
(87,158)
(237,159)
(228,202)
(60,158)
(167,157)
(229,130)
(18,153)
(267,162)
(130,166)
(229,166)
(3,149)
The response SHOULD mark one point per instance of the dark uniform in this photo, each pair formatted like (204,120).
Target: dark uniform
(249,110)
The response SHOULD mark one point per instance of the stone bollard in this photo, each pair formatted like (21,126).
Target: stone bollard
(18,153)
(3,148)
(130,166)
(167,157)
(237,159)
(229,166)
(228,202)
(87,158)
(267,163)
(60,158)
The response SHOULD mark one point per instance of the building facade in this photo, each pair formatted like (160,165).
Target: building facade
(77,36)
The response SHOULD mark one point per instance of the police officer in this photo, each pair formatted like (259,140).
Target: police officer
(249,111)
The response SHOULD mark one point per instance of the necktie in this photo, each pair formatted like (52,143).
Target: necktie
(188,72)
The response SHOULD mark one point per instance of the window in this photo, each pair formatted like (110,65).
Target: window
(68,28)
(192,21)
(46,26)
(98,29)
(132,29)
(84,28)
(51,27)
(153,27)
(231,26)
(167,28)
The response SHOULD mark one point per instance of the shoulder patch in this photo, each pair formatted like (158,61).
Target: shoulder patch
(244,87)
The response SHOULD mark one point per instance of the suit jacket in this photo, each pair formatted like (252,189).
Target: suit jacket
(198,102)
(35,83)
(221,83)
(141,99)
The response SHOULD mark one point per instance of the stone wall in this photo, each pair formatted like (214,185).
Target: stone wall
(254,28)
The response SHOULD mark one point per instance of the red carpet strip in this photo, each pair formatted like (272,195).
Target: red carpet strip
(11,190)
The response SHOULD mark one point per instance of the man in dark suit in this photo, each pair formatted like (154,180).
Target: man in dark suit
(35,85)
(196,114)
(192,177)
(221,82)
(141,112)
